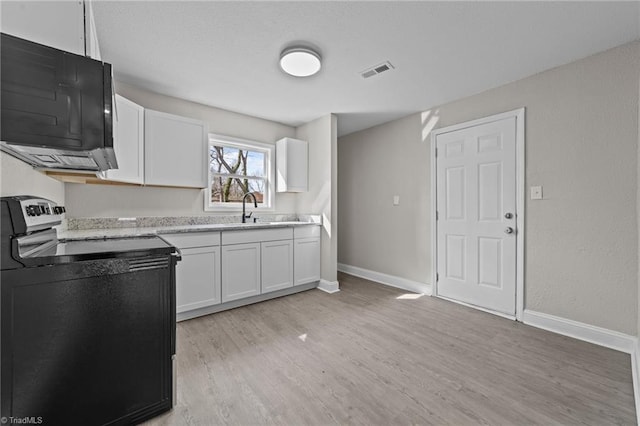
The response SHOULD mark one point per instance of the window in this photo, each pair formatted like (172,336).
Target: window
(238,166)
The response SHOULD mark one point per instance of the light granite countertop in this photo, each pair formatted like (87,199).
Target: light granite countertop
(84,234)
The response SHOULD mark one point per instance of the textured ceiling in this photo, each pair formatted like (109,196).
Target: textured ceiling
(225,54)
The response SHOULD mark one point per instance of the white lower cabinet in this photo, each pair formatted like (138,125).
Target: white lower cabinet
(277,265)
(306,260)
(240,271)
(256,262)
(221,267)
(198,273)
(198,278)
(306,254)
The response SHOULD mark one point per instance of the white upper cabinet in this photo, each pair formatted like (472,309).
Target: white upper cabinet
(58,24)
(175,151)
(292,164)
(92,47)
(65,25)
(128,142)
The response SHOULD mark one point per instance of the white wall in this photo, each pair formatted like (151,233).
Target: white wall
(18,178)
(322,195)
(119,201)
(581,146)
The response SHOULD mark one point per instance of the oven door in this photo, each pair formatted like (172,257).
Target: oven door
(88,342)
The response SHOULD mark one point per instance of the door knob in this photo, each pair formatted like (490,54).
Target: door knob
(508,230)
(508,215)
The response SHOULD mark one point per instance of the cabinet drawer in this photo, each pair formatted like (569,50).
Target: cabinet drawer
(193,239)
(257,235)
(306,231)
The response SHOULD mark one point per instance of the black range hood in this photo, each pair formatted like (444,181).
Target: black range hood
(56,107)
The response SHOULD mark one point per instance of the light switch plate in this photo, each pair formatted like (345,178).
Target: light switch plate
(396,200)
(536,193)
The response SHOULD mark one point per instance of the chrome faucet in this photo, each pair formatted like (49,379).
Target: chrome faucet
(246,216)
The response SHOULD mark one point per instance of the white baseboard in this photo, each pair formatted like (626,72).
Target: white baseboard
(329,286)
(581,331)
(390,280)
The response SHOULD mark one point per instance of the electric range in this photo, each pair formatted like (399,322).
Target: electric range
(87,326)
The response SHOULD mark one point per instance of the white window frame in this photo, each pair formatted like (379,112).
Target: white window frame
(270,159)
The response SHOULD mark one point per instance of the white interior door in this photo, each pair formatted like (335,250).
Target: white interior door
(476,215)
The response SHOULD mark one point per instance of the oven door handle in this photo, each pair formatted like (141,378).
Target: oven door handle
(177,254)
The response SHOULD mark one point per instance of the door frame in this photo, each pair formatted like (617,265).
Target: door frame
(519,115)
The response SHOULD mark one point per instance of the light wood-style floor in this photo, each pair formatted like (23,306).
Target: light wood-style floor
(372,355)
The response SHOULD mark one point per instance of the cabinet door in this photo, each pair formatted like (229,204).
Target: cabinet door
(306,260)
(128,143)
(92,47)
(174,151)
(292,161)
(198,278)
(240,271)
(58,24)
(277,265)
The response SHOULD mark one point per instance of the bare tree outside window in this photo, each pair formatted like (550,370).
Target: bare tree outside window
(234,172)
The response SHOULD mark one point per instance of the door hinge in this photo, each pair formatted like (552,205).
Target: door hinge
(437,215)
(436,152)
(437,277)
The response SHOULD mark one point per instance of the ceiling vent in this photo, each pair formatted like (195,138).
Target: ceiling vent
(378,69)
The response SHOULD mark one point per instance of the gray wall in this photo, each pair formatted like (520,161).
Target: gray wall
(130,201)
(376,164)
(18,178)
(581,146)
(322,195)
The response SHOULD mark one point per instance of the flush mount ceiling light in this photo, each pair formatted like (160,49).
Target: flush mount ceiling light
(300,61)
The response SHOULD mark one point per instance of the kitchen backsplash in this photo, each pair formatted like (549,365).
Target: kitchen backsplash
(74,224)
